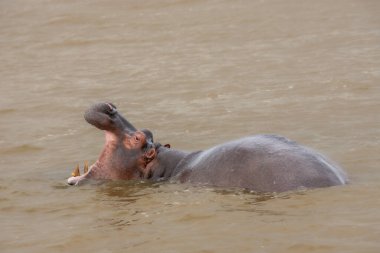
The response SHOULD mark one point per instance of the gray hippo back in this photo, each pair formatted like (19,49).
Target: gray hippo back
(263,163)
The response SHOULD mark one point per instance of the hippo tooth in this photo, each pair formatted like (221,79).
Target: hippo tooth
(76,172)
(85,168)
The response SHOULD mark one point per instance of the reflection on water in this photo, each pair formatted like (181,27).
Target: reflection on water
(196,73)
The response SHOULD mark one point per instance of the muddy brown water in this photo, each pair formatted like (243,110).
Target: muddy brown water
(196,73)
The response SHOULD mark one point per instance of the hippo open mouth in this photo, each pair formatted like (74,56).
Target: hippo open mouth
(126,151)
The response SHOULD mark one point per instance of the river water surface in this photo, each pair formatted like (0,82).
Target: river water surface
(196,73)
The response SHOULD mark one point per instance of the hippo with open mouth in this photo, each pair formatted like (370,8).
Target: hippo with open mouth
(262,163)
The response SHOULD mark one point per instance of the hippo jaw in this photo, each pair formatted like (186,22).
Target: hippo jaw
(126,152)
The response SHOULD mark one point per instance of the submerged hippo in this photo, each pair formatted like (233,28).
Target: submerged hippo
(262,163)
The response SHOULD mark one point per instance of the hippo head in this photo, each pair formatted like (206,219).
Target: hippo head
(127,151)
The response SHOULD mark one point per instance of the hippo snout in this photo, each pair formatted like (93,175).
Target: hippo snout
(106,117)
(101,115)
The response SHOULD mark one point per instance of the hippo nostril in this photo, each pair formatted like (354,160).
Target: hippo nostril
(111,106)
(112,109)
(113,112)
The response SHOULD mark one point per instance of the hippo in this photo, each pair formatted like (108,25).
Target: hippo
(260,163)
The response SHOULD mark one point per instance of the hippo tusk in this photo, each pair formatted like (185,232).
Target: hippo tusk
(85,168)
(75,172)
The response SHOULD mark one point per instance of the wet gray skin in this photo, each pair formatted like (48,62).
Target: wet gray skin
(262,163)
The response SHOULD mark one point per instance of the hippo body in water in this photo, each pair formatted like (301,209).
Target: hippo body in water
(262,163)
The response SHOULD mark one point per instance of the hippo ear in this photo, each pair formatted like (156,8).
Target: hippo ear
(167,145)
